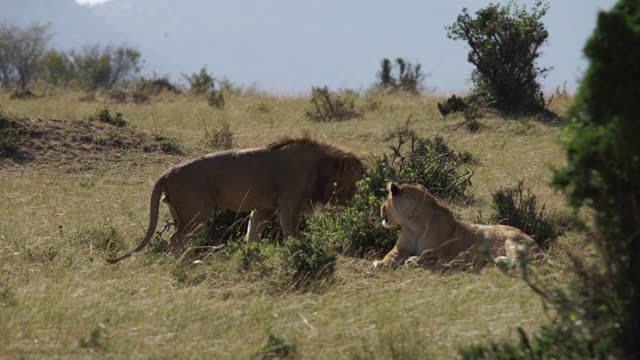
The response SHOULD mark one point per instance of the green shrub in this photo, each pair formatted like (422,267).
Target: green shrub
(418,160)
(515,207)
(505,42)
(155,86)
(409,77)
(57,68)
(354,229)
(263,257)
(104,67)
(185,275)
(452,105)
(21,53)
(11,135)
(329,106)
(216,99)
(472,125)
(201,82)
(168,144)
(306,261)
(104,115)
(277,348)
(95,340)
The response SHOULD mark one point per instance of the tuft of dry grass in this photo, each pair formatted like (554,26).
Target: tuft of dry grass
(58,299)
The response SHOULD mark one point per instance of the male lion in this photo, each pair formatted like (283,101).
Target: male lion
(428,229)
(291,175)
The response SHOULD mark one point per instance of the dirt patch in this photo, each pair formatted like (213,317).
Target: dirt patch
(22,95)
(123,97)
(73,144)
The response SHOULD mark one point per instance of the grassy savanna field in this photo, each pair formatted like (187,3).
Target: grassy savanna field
(58,298)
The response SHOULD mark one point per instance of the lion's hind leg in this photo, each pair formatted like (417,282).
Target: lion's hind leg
(188,219)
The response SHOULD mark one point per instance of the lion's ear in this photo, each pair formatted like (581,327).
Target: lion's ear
(393,188)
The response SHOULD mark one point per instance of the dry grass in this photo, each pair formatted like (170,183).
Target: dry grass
(59,300)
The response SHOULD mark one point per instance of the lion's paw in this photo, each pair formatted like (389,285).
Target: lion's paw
(377,264)
(412,262)
(505,263)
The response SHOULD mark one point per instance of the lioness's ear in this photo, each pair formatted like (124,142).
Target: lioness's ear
(393,188)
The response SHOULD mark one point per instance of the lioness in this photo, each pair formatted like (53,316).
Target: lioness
(291,175)
(429,229)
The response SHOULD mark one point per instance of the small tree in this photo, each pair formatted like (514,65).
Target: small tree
(99,67)
(505,42)
(409,77)
(21,52)
(201,82)
(7,43)
(57,68)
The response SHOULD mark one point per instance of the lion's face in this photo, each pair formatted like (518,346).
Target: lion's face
(402,203)
(353,171)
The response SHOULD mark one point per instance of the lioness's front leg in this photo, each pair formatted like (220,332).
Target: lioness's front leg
(393,258)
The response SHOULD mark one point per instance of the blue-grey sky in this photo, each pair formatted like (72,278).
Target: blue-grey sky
(286,46)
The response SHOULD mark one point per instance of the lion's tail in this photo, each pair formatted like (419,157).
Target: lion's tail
(156,194)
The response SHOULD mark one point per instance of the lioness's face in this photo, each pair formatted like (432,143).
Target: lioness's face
(389,210)
(400,204)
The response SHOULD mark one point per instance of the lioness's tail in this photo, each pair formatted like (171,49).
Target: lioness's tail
(158,189)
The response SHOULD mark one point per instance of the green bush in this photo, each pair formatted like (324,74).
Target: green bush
(104,67)
(216,99)
(11,135)
(95,340)
(201,82)
(354,229)
(306,261)
(21,53)
(277,348)
(409,77)
(57,68)
(155,86)
(168,144)
(515,207)
(418,160)
(452,105)
(104,115)
(329,106)
(505,42)
(185,275)
(263,257)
